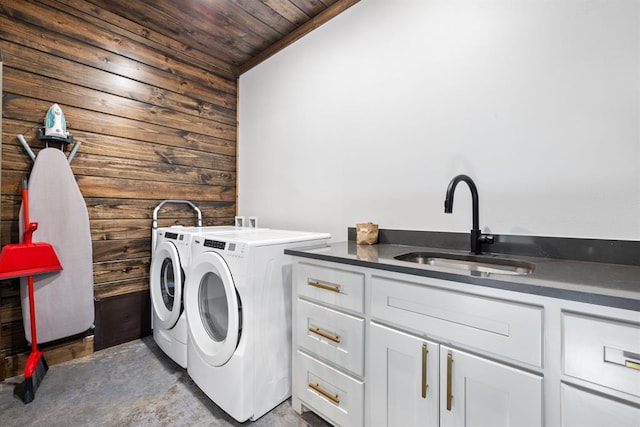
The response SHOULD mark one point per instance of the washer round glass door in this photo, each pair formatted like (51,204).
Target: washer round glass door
(166,285)
(212,308)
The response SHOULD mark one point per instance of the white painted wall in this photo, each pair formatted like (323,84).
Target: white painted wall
(371,115)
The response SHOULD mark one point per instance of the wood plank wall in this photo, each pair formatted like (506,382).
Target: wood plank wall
(155,122)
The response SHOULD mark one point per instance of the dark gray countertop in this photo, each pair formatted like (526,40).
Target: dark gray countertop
(613,285)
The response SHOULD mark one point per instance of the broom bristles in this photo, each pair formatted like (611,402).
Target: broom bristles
(32,382)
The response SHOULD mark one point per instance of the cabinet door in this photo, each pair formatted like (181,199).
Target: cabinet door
(403,379)
(479,392)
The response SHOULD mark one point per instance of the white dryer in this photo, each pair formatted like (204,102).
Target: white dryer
(166,284)
(238,306)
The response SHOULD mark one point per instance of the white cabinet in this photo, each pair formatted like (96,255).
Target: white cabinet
(601,354)
(581,408)
(329,392)
(465,389)
(403,387)
(332,335)
(328,342)
(505,328)
(602,351)
(380,348)
(332,285)
(416,382)
(475,391)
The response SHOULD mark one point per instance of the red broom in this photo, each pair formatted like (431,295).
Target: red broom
(26,259)
(36,253)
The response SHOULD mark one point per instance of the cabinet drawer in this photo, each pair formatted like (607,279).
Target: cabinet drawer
(335,336)
(506,328)
(602,351)
(580,409)
(327,391)
(341,288)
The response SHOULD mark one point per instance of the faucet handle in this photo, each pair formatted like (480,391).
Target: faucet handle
(486,238)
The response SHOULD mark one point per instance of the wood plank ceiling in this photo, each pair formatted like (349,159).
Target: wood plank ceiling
(239,34)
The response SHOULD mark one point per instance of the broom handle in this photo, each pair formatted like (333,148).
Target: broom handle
(32,313)
(27,239)
(28,229)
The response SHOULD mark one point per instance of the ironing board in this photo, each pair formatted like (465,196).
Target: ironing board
(63,299)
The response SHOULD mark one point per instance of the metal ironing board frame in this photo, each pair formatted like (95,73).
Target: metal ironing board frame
(27,148)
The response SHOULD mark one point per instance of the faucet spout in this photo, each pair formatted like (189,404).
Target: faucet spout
(448,201)
(477,238)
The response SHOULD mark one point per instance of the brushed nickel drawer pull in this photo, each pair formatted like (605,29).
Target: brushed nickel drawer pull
(316,284)
(333,397)
(318,331)
(621,357)
(449,374)
(424,371)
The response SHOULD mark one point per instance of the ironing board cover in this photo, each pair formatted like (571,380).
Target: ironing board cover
(63,299)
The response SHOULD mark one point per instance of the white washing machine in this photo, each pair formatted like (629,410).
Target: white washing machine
(238,306)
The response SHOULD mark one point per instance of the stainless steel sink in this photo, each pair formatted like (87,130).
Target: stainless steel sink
(473,263)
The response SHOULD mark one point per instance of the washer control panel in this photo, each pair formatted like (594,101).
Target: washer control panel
(215,244)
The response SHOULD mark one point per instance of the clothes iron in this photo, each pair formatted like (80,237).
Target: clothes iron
(55,126)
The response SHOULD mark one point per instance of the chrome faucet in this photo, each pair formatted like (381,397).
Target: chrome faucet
(477,238)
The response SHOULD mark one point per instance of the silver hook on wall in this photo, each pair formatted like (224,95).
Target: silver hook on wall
(26,147)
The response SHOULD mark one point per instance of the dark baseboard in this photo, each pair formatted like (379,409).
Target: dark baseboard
(122,318)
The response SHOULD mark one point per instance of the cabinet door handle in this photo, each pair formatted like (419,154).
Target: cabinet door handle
(449,374)
(316,284)
(333,397)
(424,371)
(327,335)
(621,357)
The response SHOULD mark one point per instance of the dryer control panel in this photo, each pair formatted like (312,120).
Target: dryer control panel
(179,239)
(229,249)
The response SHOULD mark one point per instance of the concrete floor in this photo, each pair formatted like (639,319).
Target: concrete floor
(133,384)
